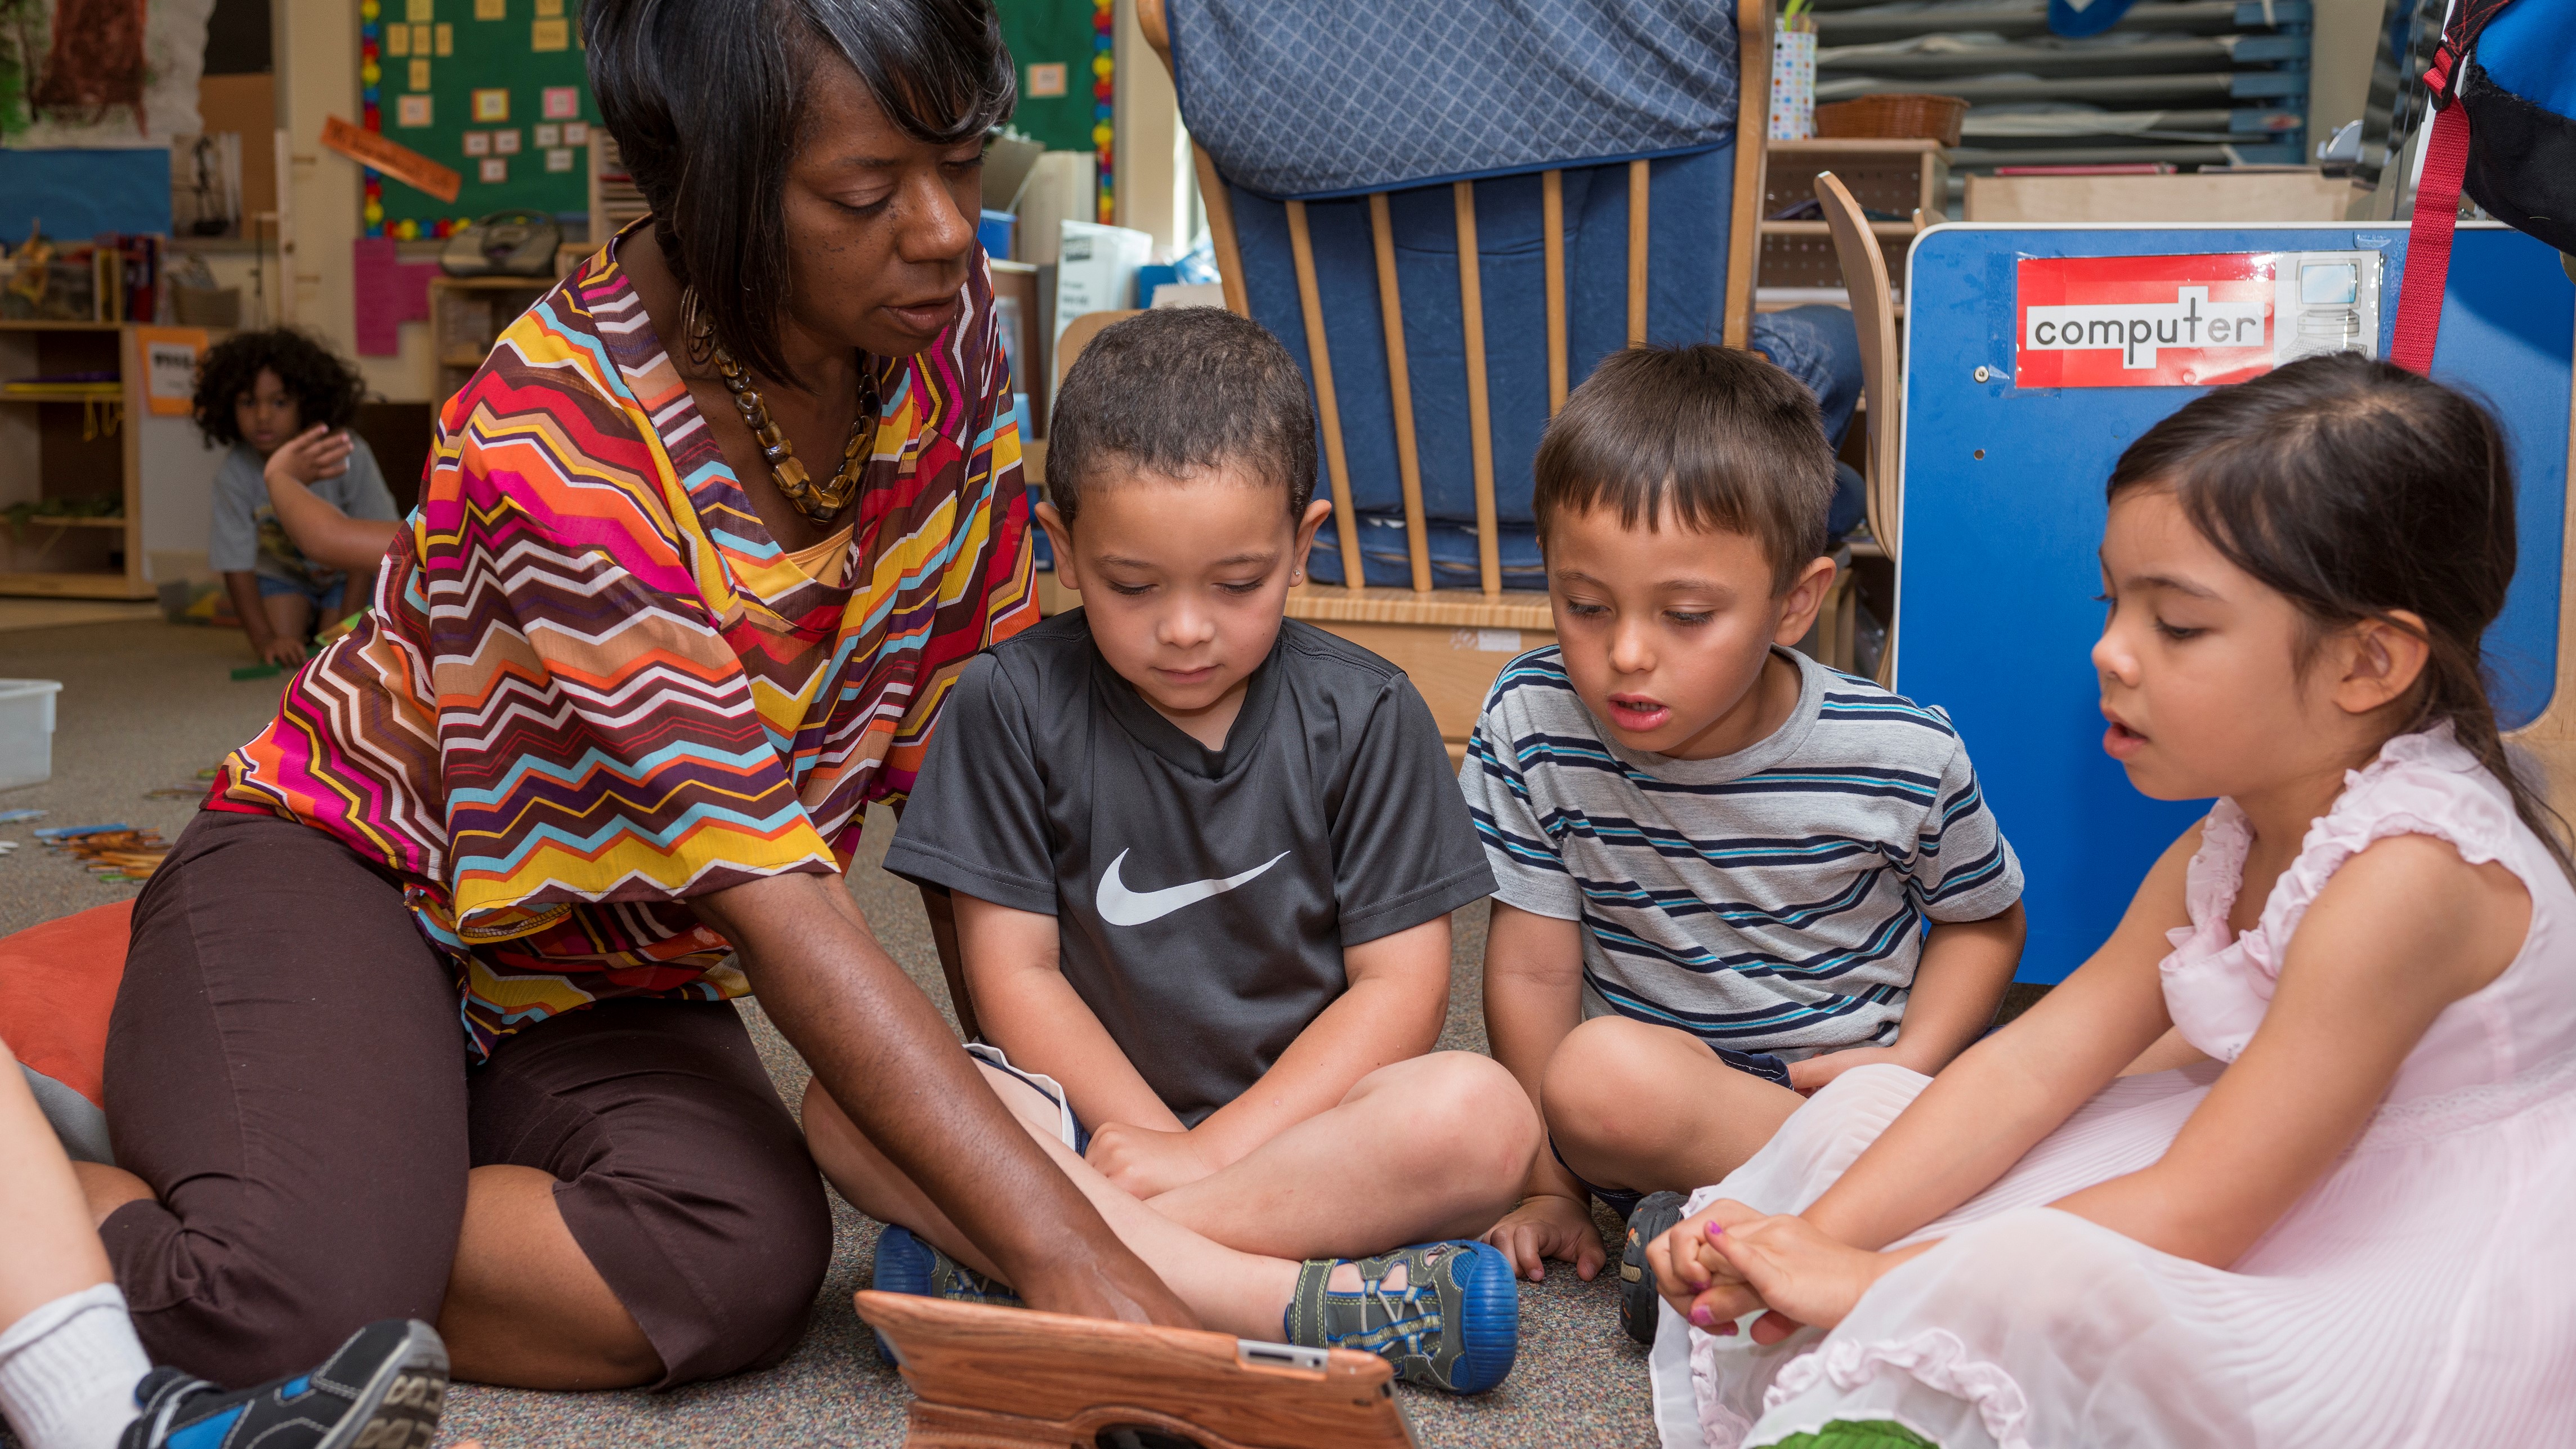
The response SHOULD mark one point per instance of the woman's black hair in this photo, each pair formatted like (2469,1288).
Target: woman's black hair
(707,99)
(326,390)
(2358,489)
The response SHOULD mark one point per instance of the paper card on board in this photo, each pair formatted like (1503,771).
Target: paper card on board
(400,162)
(2188,321)
(170,367)
(562,103)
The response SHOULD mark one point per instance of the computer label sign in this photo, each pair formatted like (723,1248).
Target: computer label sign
(2188,321)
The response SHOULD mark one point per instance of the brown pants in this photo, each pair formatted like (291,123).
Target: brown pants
(286,1069)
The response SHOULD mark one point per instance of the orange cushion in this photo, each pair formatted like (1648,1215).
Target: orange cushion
(57,985)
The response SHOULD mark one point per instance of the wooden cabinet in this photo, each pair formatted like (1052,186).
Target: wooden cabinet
(1904,184)
(88,483)
(467,314)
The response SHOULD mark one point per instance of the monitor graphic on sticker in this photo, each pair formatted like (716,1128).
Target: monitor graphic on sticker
(2188,321)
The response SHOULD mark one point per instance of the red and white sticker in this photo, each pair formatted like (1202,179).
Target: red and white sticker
(2188,321)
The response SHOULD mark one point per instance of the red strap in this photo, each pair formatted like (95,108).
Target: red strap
(2428,245)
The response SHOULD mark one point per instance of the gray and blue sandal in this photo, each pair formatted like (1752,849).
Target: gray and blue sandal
(906,1264)
(1654,1217)
(1454,1325)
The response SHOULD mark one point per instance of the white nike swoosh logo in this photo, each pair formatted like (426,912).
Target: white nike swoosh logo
(1120,906)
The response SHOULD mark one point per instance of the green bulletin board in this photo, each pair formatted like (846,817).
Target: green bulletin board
(495,89)
(1058,33)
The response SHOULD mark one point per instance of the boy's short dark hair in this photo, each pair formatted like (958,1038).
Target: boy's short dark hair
(326,390)
(1178,389)
(1730,441)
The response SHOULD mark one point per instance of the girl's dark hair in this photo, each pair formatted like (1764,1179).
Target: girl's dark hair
(2358,489)
(326,390)
(707,101)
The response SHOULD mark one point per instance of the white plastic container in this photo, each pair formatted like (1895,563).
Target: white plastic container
(27,731)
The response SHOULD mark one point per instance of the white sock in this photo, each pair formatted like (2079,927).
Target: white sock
(68,1371)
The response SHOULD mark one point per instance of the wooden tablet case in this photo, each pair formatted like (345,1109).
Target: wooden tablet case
(1011,1378)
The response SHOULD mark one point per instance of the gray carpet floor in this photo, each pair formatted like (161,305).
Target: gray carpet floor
(146,705)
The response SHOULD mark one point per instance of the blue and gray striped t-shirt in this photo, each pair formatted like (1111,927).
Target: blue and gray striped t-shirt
(1771,900)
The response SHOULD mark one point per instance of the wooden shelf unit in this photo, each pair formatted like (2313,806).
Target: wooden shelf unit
(1910,178)
(468,314)
(44,456)
(2183,82)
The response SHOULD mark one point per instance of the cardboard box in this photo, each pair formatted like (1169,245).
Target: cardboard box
(2210,197)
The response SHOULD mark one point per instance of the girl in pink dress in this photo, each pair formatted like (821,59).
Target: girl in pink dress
(2325,1202)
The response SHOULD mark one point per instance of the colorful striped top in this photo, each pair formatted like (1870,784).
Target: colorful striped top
(592,685)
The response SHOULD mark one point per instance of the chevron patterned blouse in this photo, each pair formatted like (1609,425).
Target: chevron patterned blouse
(592,685)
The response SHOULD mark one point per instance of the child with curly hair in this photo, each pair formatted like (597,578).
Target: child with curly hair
(281,401)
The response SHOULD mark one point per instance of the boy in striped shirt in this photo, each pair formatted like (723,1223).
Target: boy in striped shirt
(1715,858)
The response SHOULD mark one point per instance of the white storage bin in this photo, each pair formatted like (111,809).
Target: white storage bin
(27,731)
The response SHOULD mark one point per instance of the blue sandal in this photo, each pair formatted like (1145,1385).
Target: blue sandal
(1455,1324)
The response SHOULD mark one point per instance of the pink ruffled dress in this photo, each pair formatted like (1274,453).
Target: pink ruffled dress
(2424,1292)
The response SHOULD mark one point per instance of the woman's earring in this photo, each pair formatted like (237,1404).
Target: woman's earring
(693,327)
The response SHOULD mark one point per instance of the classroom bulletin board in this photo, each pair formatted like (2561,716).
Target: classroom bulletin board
(496,89)
(1054,43)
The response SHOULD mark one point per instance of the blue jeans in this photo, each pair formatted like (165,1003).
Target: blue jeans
(324,596)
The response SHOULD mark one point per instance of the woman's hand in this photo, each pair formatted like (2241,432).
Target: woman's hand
(310,456)
(1546,1226)
(1146,1161)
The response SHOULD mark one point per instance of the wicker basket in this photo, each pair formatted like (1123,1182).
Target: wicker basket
(1929,118)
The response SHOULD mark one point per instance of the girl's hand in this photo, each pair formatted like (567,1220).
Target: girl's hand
(1809,1073)
(281,651)
(1549,1226)
(310,456)
(1802,1275)
(1146,1161)
(1691,1274)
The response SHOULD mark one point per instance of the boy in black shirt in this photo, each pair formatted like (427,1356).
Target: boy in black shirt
(1203,860)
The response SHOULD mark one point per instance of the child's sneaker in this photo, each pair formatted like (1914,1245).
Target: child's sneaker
(1655,1215)
(1455,1324)
(384,1389)
(906,1264)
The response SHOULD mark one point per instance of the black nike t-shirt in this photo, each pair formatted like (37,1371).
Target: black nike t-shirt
(1203,898)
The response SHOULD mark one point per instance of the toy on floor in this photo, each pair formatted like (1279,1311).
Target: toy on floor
(995,1378)
(113,853)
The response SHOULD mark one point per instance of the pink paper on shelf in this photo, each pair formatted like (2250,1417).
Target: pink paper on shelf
(390,292)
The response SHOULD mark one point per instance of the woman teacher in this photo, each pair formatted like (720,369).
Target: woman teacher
(429,1012)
